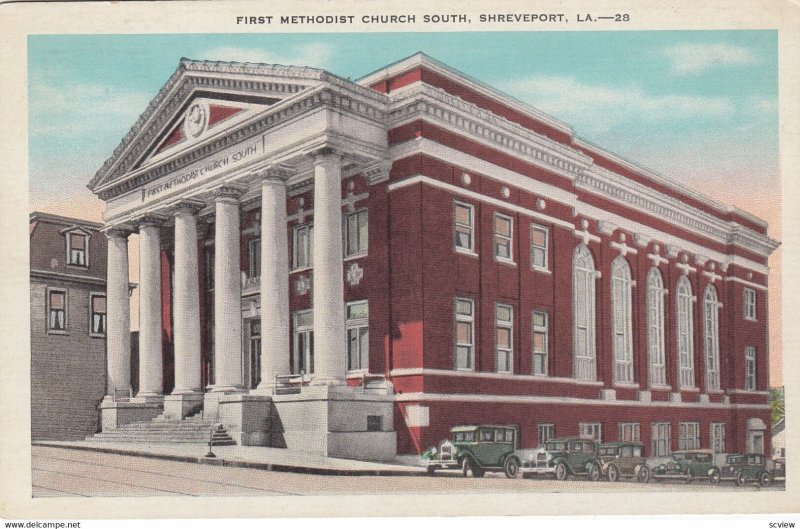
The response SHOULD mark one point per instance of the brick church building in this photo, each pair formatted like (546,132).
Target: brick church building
(355,267)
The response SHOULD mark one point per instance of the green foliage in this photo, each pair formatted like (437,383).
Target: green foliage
(776,411)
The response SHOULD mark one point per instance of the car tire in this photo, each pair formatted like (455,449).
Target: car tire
(740,480)
(466,467)
(431,471)
(562,472)
(511,467)
(714,476)
(689,477)
(644,474)
(612,473)
(594,472)
(765,479)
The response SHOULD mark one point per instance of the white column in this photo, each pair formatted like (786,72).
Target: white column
(186,307)
(150,363)
(274,279)
(330,362)
(227,292)
(118,328)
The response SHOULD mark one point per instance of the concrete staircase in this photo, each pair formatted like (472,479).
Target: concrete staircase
(194,429)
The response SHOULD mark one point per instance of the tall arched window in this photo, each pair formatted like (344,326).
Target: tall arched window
(583,300)
(655,328)
(685,334)
(711,336)
(621,328)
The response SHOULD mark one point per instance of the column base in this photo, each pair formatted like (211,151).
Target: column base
(114,414)
(319,381)
(246,417)
(211,399)
(608,394)
(181,405)
(148,397)
(675,397)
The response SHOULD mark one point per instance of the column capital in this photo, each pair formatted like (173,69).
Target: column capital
(120,231)
(324,151)
(190,206)
(228,192)
(276,171)
(150,219)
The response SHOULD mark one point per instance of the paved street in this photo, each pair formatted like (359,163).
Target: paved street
(66,472)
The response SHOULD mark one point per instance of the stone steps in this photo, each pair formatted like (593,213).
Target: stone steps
(160,430)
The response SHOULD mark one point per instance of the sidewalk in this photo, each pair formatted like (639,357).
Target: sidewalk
(275,459)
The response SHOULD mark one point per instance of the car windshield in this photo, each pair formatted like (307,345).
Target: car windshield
(679,456)
(608,450)
(703,458)
(556,445)
(733,459)
(464,437)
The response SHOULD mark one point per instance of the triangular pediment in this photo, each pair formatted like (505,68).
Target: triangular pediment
(201,99)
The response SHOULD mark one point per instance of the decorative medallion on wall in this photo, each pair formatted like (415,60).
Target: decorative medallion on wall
(354,274)
(302,285)
(196,120)
(465,179)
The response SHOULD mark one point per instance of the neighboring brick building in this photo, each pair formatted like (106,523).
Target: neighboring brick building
(68,326)
(424,228)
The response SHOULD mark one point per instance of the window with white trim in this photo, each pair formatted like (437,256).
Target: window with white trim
(622,328)
(464,229)
(357,325)
(749,304)
(77,248)
(718,437)
(465,334)
(97,316)
(689,436)
(583,307)
(659,439)
(302,246)
(504,338)
(546,432)
(254,258)
(540,342)
(750,368)
(56,310)
(539,238)
(503,237)
(711,337)
(591,430)
(685,327)
(655,328)
(356,232)
(303,361)
(629,431)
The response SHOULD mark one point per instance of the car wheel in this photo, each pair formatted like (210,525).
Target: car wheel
(594,472)
(561,471)
(613,473)
(465,466)
(714,476)
(689,475)
(511,468)
(765,479)
(431,471)
(644,474)
(740,479)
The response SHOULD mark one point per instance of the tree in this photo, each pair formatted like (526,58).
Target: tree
(776,404)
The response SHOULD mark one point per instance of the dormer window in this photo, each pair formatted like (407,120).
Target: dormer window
(77,247)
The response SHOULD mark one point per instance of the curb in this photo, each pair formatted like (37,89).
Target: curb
(274,467)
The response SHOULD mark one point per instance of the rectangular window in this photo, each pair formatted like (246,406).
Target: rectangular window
(302,246)
(750,368)
(98,315)
(629,431)
(56,310)
(504,338)
(660,445)
(465,334)
(749,304)
(76,252)
(718,437)
(303,361)
(689,438)
(254,258)
(357,324)
(503,237)
(463,234)
(538,247)
(540,345)
(591,430)
(546,432)
(355,234)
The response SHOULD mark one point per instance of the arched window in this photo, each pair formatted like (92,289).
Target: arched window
(711,336)
(655,328)
(621,327)
(583,300)
(685,334)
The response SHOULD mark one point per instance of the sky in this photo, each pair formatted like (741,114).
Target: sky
(698,107)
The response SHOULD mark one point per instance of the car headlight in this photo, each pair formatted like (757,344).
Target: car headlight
(678,466)
(710,471)
(662,467)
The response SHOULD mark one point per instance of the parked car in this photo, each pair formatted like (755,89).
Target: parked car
(624,459)
(689,465)
(742,468)
(779,469)
(473,449)
(559,457)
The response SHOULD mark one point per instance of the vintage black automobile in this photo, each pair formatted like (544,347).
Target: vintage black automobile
(624,459)
(689,465)
(742,468)
(473,449)
(558,457)
(779,469)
